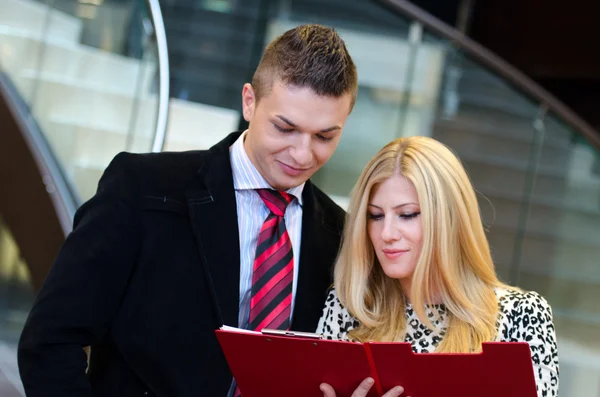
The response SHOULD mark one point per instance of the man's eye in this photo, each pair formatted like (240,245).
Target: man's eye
(283,129)
(324,138)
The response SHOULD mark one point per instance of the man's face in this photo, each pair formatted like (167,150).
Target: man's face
(292,132)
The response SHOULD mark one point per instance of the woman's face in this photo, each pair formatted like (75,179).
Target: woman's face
(394,226)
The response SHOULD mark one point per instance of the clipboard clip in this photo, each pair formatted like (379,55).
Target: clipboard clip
(297,334)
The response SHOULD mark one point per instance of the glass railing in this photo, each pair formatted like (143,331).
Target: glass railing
(537,172)
(535,164)
(86,79)
(89,72)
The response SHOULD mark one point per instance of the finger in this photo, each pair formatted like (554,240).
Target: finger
(327,390)
(363,389)
(394,392)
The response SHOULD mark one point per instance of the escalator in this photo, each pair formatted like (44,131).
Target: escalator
(80,87)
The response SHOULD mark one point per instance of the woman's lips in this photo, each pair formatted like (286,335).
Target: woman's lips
(393,253)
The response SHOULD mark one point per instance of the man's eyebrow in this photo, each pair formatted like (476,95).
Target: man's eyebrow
(332,128)
(291,124)
(285,120)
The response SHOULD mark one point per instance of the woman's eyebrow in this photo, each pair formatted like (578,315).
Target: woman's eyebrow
(396,207)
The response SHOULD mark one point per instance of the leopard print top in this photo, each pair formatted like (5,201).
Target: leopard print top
(523,317)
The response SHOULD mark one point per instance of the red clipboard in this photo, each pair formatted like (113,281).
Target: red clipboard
(274,366)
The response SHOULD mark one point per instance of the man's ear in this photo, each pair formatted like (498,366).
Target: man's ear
(248,101)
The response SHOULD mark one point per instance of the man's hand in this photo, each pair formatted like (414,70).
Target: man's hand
(362,390)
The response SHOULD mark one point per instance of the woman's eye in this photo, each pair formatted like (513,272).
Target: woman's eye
(283,129)
(375,217)
(410,216)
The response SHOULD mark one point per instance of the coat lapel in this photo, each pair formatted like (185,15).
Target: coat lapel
(213,214)
(318,250)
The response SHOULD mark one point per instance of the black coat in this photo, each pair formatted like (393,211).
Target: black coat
(149,272)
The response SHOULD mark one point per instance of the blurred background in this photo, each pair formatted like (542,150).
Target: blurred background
(513,87)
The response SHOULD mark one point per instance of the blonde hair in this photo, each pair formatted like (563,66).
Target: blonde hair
(454,267)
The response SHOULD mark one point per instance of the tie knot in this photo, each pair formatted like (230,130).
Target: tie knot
(276,201)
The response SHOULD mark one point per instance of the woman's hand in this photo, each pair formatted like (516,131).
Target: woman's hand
(362,390)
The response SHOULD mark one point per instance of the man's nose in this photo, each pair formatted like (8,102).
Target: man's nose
(302,151)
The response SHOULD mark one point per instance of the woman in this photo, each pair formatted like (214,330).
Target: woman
(414,244)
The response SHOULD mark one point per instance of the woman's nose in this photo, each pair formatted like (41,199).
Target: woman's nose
(390,231)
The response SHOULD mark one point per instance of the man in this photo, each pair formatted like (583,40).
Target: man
(170,247)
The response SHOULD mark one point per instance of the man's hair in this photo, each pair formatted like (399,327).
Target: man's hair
(312,56)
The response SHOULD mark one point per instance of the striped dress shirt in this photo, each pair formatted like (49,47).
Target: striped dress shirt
(252,212)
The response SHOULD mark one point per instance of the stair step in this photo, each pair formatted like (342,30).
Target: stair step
(522,166)
(80,141)
(577,298)
(560,224)
(462,140)
(487,174)
(545,254)
(248,8)
(518,106)
(69,99)
(204,23)
(76,143)
(481,116)
(85,179)
(75,64)
(479,86)
(186,133)
(516,136)
(200,92)
(37,18)
(211,74)
(543,201)
(188,50)
(364,16)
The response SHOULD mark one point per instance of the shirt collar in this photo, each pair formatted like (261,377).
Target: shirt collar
(245,174)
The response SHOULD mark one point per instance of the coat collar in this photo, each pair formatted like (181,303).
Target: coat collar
(213,214)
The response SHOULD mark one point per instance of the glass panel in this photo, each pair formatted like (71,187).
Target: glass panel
(212,44)
(491,126)
(538,181)
(561,248)
(358,16)
(89,77)
(22,29)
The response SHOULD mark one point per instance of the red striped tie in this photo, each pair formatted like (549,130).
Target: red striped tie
(273,270)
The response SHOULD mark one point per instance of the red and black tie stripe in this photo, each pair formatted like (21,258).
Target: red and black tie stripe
(273,269)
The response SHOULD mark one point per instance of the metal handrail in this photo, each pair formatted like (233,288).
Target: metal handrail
(63,197)
(496,64)
(163,75)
